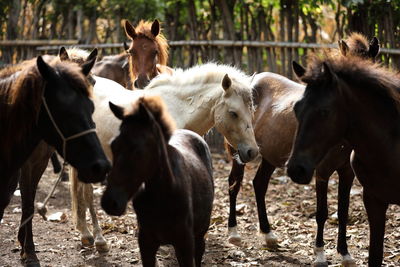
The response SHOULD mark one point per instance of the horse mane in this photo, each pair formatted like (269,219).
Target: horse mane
(359,73)
(77,55)
(358,44)
(207,73)
(159,110)
(144,29)
(20,96)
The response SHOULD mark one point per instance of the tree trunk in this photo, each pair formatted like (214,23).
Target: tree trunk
(12,30)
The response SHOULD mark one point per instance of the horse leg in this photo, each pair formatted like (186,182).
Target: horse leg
(31,172)
(148,249)
(79,206)
(346,177)
(99,241)
(321,216)
(376,212)
(200,246)
(56,163)
(184,248)
(7,191)
(235,181)
(260,185)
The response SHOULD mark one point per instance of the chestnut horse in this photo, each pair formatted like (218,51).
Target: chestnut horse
(47,102)
(168,173)
(148,52)
(197,98)
(274,126)
(352,99)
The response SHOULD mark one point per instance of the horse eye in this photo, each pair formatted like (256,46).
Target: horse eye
(233,114)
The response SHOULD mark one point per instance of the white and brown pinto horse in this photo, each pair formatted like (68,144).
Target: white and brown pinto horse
(198,99)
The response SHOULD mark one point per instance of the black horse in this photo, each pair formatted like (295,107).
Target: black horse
(350,98)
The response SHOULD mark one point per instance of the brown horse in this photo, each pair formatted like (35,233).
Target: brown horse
(274,125)
(47,102)
(148,48)
(116,68)
(354,100)
(168,173)
(32,171)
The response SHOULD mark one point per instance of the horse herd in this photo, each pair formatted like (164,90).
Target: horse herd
(348,109)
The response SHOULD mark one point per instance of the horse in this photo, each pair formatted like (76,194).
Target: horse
(116,68)
(168,175)
(198,99)
(274,126)
(354,100)
(148,52)
(50,102)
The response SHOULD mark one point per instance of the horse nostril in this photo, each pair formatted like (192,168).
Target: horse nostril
(101,168)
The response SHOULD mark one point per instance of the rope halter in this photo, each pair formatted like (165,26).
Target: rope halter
(63,138)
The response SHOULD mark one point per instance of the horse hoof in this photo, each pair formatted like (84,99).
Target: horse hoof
(320,264)
(31,263)
(234,237)
(87,241)
(270,240)
(235,240)
(349,263)
(101,246)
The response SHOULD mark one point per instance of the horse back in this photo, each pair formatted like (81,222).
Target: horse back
(274,120)
(198,167)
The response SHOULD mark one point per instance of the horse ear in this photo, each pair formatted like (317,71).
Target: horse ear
(117,110)
(63,54)
(45,70)
(87,66)
(343,47)
(92,55)
(126,47)
(130,30)
(226,82)
(155,28)
(298,69)
(373,47)
(326,71)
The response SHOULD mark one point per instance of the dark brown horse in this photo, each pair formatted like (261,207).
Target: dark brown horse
(148,49)
(31,172)
(168,173)
(275,125)
(354,100)
(116,68)
(47,102)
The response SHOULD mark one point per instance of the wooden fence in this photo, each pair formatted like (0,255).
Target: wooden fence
(252,56)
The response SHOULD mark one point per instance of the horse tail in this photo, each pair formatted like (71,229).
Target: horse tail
(74,193)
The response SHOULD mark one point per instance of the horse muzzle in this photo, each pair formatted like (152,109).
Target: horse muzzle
(301,172)
(247,153)
(114,201)
(95,172)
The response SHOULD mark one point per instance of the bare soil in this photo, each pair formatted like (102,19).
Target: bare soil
(291,210)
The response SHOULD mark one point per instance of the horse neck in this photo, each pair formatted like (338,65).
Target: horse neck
(373,129)
(192,107)
(163,179)
(18,136)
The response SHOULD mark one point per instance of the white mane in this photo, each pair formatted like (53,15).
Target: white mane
(200,74)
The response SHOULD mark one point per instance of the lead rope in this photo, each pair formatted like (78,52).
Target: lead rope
(42,206)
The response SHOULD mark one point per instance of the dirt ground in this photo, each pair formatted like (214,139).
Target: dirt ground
(291,210)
